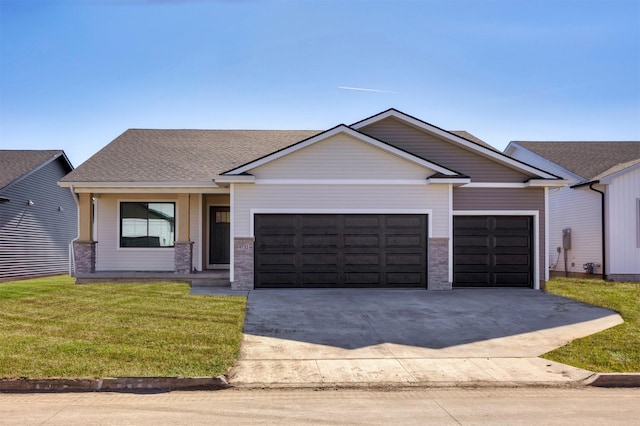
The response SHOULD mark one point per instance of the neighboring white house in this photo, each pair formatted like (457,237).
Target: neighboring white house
(604,178)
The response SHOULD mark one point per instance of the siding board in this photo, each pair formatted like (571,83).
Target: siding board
(342,197)
(34,240)
(432,148)
(341,157)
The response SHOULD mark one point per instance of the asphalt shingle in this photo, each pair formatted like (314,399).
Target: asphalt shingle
(15,163)
(588,160)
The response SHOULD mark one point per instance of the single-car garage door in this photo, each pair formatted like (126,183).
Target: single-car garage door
(340,250)
(492,251)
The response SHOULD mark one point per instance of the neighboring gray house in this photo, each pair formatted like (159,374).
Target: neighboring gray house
(38,219)
(600,208)
(390,201)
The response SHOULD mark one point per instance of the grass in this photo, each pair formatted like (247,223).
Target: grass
(613,350)
(50,327)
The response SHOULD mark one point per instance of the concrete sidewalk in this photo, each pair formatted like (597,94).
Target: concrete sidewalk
(386,338)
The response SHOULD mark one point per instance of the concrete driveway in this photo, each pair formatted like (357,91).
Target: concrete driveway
(334,337)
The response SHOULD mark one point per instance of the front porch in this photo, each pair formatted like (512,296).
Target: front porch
(219,278)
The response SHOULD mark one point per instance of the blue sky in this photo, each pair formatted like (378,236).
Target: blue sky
(74,74)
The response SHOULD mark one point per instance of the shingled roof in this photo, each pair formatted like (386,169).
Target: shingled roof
(16,163)
(150,155)
(589,160)
(154,155)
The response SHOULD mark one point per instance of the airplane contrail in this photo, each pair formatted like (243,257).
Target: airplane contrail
(362,89)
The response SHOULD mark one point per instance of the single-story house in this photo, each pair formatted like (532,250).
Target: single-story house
(38,219)
(390,201)
(599,212)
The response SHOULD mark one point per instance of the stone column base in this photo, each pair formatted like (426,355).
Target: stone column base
(439,264)
(243,264)
(84,257)
(183,256)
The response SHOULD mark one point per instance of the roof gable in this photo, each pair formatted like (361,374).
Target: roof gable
(342,130)
(457,139)
(17,164)
(589,160)
(342,157)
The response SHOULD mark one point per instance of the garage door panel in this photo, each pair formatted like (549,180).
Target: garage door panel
(317,240)
(361,240)
(341,251)
(318,221)
(274,279)
(395,222)
(370,278)
(404,259)
(405,278)
(493,251)
(285,259)
(361,259)
(361,221)
(513,279)
(309,259)
(278,241)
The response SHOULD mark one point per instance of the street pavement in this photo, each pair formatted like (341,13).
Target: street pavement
(486,406)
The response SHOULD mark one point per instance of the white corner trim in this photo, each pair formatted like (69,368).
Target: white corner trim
(232,233)
(536,232)
(451,234)
(546,234)
(335,131)
(253,212)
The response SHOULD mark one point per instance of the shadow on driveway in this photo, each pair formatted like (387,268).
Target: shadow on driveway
(458,323)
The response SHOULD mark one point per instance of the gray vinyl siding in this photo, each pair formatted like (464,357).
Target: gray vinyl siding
(447,154)
(34,240)
(500,199)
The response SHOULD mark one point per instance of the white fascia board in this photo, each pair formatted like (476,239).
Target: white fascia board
(545,183)
(234,179)
(174,184)
(607,179)
(498,156)
(143,187)
(453,180)
(340,182)
(335,131)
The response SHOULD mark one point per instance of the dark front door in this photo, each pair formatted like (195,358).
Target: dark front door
(341,250)
(219,225)
(492,251)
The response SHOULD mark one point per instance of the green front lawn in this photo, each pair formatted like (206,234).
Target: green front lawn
(50,327)
(613,350)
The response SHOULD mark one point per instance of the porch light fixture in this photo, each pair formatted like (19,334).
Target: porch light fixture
(30,203)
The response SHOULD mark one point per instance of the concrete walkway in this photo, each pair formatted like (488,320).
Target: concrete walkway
(344,338)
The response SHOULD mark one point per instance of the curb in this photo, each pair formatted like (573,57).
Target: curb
(614,380)
(114,384)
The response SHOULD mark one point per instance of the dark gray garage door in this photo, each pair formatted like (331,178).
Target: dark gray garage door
(340,250)
(492,251)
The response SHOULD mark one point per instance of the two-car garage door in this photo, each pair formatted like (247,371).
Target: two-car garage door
(341,250)
(387,250)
